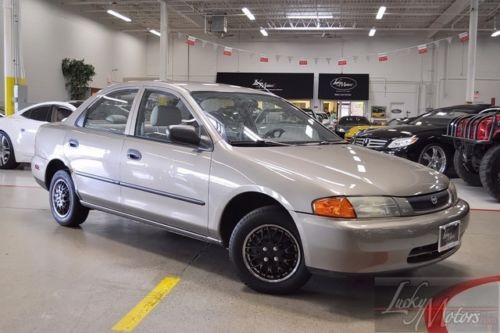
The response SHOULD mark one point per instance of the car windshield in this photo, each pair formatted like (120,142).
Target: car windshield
(350,120)
(438,117)
(257,119)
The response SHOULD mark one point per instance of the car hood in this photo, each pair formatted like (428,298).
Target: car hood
(402,131)
(341,169)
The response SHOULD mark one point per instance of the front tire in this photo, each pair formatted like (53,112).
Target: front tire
(489,171)
(436,157)
(266,250)
(465,170)
(64,203)
(7,158)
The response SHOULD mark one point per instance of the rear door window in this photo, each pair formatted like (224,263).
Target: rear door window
(111,112)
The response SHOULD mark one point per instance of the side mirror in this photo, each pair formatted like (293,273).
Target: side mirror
(184,134)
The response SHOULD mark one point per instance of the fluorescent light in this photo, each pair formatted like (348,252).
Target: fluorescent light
(307,28)
(309,17)
(496,33)
(248,13)
(120,16)
(264,32)
(381,12)
(372,32)
(154,32)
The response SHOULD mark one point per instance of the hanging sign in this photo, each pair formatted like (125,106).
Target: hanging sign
(286,85)
(346,87)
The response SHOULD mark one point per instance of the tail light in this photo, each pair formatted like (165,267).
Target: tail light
(460,130)
(484,129)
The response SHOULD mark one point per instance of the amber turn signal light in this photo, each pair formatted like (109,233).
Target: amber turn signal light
(334,207)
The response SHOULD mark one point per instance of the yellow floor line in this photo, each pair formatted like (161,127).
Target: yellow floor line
(146,305)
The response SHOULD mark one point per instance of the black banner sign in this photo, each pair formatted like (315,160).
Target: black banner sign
(344,87)
(286,85)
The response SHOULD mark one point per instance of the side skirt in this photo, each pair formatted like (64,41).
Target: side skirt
(156,224)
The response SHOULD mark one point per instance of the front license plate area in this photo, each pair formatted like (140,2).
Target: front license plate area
(449,236)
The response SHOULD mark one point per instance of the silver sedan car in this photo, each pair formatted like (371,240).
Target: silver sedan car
(249,171)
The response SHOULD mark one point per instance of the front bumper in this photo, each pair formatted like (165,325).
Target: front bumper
(376,245)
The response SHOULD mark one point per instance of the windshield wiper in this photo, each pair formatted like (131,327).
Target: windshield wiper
(337,142)
(258,143)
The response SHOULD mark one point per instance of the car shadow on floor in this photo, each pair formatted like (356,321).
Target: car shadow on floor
(350,297)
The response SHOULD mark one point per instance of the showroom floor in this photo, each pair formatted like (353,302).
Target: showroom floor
(84,280)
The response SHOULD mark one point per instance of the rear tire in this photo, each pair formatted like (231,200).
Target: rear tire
(489,171)
(64,203)
(465,170)
(7,158)
(266,250)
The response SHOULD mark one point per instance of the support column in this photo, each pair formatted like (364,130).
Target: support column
(471,54)
(14,80)
(163,40)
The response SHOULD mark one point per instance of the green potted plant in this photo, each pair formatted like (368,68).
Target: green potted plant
(78,74)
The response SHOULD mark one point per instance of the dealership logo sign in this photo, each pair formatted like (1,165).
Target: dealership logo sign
(261,84)
(343,83)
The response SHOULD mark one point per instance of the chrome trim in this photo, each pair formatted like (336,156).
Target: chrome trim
(153,223)
(103,179)
(164,194)
(141,188)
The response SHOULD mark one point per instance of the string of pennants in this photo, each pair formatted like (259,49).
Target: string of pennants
(228,51)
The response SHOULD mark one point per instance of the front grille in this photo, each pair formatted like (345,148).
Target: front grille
(429,202)
(426,253)
(370,143)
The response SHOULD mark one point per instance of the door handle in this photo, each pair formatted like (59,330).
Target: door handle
(133,154)
(73,143)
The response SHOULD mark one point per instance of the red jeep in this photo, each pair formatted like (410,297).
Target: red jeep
(477,149)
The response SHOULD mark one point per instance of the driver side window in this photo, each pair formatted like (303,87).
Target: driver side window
(158,111)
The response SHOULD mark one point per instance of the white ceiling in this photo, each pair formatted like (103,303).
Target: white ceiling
(427,18)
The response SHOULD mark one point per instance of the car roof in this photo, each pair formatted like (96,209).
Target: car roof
(467,107)
(188,86)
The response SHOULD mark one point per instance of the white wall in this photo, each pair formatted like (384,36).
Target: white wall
(50,33)
(410,78)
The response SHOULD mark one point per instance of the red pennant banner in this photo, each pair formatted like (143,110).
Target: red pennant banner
(303,62)
(190,40)
(228,51)
(423,49)
(342,62)
(464,37)
(383,57)
(264,59)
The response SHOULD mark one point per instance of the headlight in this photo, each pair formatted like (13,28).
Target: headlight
(452,190)
(402,142)
(353,207)
(341,130)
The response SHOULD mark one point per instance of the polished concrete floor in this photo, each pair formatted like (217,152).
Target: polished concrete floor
(55,279)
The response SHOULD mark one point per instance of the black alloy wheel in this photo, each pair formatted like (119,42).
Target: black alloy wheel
(64,203)
(266,250)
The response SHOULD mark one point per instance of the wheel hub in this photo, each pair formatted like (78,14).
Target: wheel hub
(271,253)
(4,150)
(434,157)
(60,198)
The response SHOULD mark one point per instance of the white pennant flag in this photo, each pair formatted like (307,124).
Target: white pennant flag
(290,59)
(328,60)
(315,61)
(277,57)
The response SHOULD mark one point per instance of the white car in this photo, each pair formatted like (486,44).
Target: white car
(17,132)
